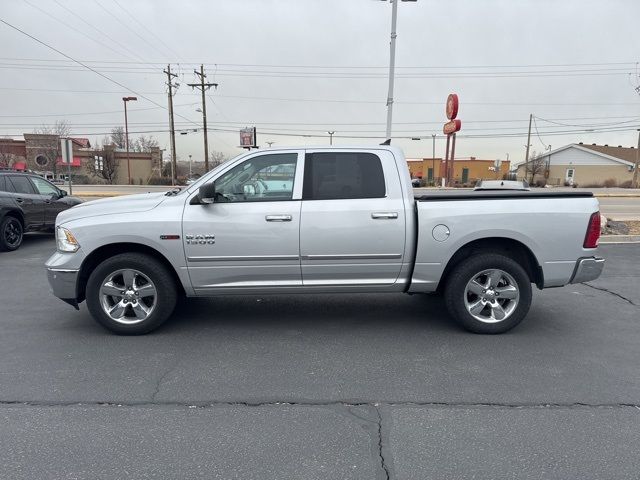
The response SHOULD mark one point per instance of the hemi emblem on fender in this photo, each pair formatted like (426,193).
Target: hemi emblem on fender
(169,237)
(200,239)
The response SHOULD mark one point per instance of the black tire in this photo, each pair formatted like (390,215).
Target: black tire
(11,233)
(457,297)
(160,278)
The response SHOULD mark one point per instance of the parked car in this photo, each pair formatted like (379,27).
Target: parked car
(345,221)
(28,203)
(416,182)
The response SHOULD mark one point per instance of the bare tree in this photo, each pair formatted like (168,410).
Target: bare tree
(7,158)
(117,137)
(217,158)
(107,167)
(535,166)
(143,144)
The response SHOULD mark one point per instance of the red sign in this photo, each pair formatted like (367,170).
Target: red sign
(452,127)
(452,106)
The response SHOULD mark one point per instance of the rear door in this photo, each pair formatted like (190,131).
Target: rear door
(25,195)
(353,221)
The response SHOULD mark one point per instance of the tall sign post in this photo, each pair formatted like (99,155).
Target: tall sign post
(66,149)
(449,129)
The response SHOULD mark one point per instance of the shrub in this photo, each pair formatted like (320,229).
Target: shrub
(541,183)
(592,185)
(625,184)
(160,181)
(610,182)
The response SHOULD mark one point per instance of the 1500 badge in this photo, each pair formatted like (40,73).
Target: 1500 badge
(200,239)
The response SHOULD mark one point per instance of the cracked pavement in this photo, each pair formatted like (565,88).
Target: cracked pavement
(358,386)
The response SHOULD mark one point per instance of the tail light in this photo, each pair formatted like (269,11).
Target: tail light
(593,232)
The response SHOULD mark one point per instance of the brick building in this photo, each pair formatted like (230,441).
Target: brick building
(465,170)
(41,153)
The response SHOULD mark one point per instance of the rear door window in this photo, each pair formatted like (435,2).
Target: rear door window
(21,185)
(343,175)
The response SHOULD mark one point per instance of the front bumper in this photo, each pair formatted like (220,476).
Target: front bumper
(63,270)
(63,284)
(587,269)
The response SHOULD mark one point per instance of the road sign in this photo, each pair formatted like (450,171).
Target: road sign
(66,149)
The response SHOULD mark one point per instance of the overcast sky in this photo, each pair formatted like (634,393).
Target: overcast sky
(311,66)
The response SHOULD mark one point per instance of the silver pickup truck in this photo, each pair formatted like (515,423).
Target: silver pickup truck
(330,220)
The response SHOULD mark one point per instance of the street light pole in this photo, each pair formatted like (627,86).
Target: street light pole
(189,166)
(126,133)
(392,66)
(331,137)
(433,160)
(634,183)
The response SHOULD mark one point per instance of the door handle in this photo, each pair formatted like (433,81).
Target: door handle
(278,218)
(20,200)
(384,215)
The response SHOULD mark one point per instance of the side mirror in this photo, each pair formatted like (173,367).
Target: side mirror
(63,193)
(207,193)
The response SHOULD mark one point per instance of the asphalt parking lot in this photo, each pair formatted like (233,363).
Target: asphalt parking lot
(348,387)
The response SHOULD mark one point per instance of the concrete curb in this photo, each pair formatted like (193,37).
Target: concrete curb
(612,239)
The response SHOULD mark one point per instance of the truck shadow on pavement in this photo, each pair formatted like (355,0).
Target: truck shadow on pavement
(310,311)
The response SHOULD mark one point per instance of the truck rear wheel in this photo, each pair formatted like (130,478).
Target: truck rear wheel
(488,293)
(131,294)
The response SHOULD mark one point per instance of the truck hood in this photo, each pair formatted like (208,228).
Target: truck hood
(107,206)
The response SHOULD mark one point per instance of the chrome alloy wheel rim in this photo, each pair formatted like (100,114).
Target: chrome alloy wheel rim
(128,296)
(13,232)
(491,296)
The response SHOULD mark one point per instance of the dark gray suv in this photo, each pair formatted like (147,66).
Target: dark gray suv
(28,203)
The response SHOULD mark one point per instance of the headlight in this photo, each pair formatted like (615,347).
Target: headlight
(66,241)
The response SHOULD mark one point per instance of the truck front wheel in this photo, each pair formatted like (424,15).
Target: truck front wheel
(131,294)
(488,293)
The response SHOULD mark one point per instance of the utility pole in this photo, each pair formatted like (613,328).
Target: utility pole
(203,88)
(126,134)
(634,183)
(526,155)
(331,137)
(172,129)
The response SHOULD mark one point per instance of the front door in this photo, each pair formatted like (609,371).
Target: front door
(353,224)
(248,238)
(51,197)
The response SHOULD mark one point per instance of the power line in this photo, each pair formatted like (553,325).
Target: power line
(128,28)
(106,77)
(134,18)
(101,32)
(71,27)
(429,67)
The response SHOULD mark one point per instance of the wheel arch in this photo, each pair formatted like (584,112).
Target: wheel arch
(508,247)
(104,252)
(13,212)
